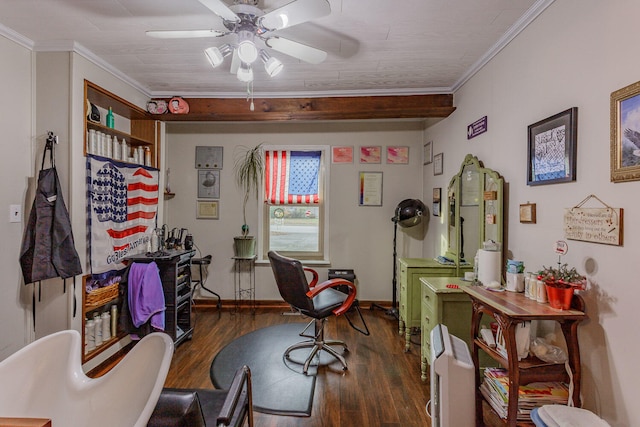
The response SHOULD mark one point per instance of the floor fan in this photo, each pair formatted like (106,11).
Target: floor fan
(408,213)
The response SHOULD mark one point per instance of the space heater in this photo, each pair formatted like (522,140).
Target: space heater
(453,402)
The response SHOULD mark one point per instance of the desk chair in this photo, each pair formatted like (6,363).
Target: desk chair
(318,301)
(202,278)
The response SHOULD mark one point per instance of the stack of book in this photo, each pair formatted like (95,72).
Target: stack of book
(495,389)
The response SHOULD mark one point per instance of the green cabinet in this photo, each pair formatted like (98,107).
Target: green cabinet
(449,306)
(410,272)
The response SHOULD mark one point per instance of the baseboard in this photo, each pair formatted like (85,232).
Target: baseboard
(211,304)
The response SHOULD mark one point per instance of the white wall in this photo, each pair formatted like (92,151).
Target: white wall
(575,54)
(16,123)
(361,238)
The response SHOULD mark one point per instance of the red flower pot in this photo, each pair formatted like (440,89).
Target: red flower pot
(559,294)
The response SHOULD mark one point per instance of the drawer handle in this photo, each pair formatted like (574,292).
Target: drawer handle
(426,318)
(427,296)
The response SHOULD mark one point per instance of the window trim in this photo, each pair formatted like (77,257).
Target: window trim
(324,203)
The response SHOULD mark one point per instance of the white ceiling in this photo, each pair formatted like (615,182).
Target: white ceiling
(375,47)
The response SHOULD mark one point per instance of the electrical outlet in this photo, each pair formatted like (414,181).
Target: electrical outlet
(15,213)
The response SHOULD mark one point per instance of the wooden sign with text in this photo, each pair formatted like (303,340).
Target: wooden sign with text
(597,225)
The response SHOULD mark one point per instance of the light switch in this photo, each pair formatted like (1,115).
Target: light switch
(15,213)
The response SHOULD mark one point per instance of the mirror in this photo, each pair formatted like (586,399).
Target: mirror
(475,210)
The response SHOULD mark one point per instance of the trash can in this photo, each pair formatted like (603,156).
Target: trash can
(342,273)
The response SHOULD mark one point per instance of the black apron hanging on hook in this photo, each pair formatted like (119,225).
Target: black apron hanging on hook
(48,249)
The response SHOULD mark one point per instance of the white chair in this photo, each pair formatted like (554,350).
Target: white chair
(45,380)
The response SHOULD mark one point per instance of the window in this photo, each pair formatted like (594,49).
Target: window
(294,215)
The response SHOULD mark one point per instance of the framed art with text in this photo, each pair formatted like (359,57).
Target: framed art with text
(625,134)
(208,183)
(552,149)
(207,209)
(370,189)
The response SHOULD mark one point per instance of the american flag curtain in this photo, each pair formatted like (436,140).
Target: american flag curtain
(291,177)
(123,206)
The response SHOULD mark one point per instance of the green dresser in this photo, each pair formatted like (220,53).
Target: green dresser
(448,306)
(411,270)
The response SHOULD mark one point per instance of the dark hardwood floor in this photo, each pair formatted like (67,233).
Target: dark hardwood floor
(381,388)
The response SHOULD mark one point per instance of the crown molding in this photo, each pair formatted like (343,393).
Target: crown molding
(16,37)
(507,37)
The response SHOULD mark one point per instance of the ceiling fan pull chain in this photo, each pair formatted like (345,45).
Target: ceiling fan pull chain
(250,95)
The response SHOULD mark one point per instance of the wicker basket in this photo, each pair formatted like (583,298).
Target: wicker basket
(102,296)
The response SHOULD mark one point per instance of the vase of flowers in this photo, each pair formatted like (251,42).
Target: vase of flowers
(561,283)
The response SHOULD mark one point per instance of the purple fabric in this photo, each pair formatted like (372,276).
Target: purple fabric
(145,296)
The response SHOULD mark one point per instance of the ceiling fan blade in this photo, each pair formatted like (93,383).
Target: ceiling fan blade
(294,13)
(185,34)
(221,9)
(297,50)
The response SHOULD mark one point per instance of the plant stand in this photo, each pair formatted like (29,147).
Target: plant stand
(244,266)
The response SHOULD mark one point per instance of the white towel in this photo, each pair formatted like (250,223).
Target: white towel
(565,416)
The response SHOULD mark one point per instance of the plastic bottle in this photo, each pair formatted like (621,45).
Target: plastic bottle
(97,323)
(106,326)
(110,119)
(114,320)
(89,336)
(147,156)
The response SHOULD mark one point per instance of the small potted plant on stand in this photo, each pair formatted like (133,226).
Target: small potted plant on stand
(561,282)
(249,167)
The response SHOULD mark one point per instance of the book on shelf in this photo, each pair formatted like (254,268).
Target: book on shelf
(495,389)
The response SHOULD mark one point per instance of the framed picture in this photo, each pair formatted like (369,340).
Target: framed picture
(370,154)
(427,153)
(625,134)
(437,194)
(552,149)
(370,189)
(208,157)
(528,213)
(207,209)
(438,160)
(398,155)
(208,183)
(342,154)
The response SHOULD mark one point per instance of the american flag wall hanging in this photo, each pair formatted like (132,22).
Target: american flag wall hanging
(123,207)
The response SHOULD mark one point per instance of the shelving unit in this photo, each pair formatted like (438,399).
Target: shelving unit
(510,309)
(142,126)
(88,309)
(175,274)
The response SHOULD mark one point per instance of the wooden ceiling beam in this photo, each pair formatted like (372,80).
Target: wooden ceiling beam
(333,108)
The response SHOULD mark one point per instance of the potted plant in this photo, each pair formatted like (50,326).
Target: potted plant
(561,283)
(249,168)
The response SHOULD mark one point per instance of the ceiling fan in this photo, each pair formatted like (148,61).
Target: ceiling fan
(254,34)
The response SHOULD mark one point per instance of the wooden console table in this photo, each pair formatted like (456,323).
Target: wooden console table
(510,309)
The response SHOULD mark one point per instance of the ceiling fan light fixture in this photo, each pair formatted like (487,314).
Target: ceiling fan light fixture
(245,73)
(216,55)
(272,65)
(247,50)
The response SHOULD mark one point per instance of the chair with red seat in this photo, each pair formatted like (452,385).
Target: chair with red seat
(318,301)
